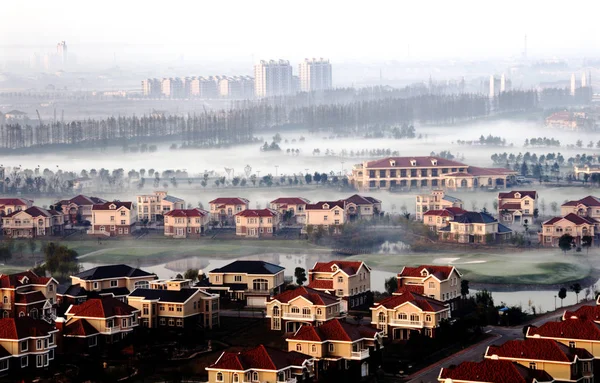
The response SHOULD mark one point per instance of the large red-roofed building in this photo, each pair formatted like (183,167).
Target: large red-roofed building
(517,206)
(186,223)
(573,224)
(350,280)
(256,223)
(33,222)
(438,282)
(294,207)
(224,209)
(493,371)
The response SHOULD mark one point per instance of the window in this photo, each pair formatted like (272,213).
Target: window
(572,344)
(319,311)
(171,322)
(324,218)
(313,348)
(171,307)
(5,299)
(146,309)
(23,346)
(428,318)
(24,361)
(340,293)
(340,279)
(40,344)
(294,310)
(179,308)
(431,285)
(141,285)
(219,376)
(532,365)
(179,322)
(236,378)
(42,360)
(93,341)
(114,283)
(123,222)
(298,347)
(403,316)
(237,278)
(109,323)
(331,347)
(50,287)
(162,321)
(96,285)
(336,212)
(123,213)
(124,322)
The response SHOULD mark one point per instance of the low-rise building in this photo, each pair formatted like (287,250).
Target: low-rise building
(186,223)
(572,224)
(256,223)
(564,120)
(359,207)
(252,281)
(152,206)
(113,219)
(587,312)
(33,222)
(27,294)
(475,227)
(580,332)
(349,280)
(493,371)
(326,215)
(436,200)
(26,343)
(174,303)
(585,207)
(9,205)
(439,219)
(406,312)
(340,348)
(78,209)
(290,209)
(517,206)
(438,282)
(261,364)
(291,309)
(223,210)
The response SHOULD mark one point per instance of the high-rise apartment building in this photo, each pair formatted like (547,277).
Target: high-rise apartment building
(315,75)
(61,51)
(204,87)
(151,87)
(172,87)
(273,78)
(238,87)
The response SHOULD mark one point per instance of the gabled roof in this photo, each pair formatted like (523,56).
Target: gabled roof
(105,307)
(447,212)
(14,201)
(229,201)
(316,297)
(22,279)
(118,205)
(584,312)
(571,217)
(360,200)
(24,327)
(474,217)
(321,284)
(30,297)
(494,371)
(186,213)
(524,193)
(82,200)
(567,329)
(175,296)
(440,272)
(537,349)
(416,289)
(290,201)
(249,267)
(79,327)
(422,302)
(332,204)
(587,201)
(33,211)
(510,206)
(334,330)
(112,271)
(257,213)
(405,162)
(260,357)
(348,267)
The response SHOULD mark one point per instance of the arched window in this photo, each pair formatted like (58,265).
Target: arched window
(219,376)
(428,318)
(463,183)
(21,314)
(275,310)
(313,348)
(294,310)
(260,284)
(298,347)
(306,311)
(402,316)
(40,222)
(319,311)
(236,378)
(414,318)
(5,299)
(280,377)
(255,376)
(381,317)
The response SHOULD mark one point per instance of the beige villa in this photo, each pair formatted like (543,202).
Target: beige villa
(151,206)
(349,280)
(439,219)
(33,222)
(517,206)
(493,371)
(26,343)
(79,208)
(295,207)
(572,332)
(113,219)
(224,209)
(186,223)
(256,223)
(114,280)
(326,214)
(441,283)
(474,227)
(9,205)
(575,225)
(360,207)
(436,200)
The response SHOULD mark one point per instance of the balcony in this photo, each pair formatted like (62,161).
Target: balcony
(406,323)
(359,355)
(305,317)
(258,291)
(288,380)
(112,330)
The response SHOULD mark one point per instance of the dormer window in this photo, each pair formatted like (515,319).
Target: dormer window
(112,207)
(434,162)
(424,273)
(24,280)
(413,162)
(334,268)
(325,206)
(517,195)
(392,163)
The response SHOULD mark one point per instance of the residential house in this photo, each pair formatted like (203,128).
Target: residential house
(223,210)
(518,206)
(26,343)
(291,309)
(112,319)
(586,207)
(474,227)
(261,364)
(82,183)
(350,280)
(581,332)
(152,206)
(79,208)
(439,219)
(256,223)
(573,224)
(113,219)
(344,351)
(493,371)
(326,215)
(585,312)
(290,209)
(186,223)
(564,120)
(436,200)
(442,283)
(406,312)
(252,281)
(33,222)
(26,294)
(175,303)
(9,205)
(359,207)
(563,363)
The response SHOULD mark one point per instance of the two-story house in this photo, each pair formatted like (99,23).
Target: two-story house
(290,209)
(32,222)
(342,350)
(113,219)
(350,280)
(585,312)
(400,315)
(10,205)
(573,332)
(493,371)
(261,364)
(572,224)
(26,294)
(112,319)
(186,223)
(586,207)
(436,200)
(438,282)
(359,207)
(326,215)
(474,227)
(224,209)
(151,206)
(78,209)
(256,223)
(252,281)
(563,363)
(439,219)
(175,303)
(291,309)
(517,206)
(26,343)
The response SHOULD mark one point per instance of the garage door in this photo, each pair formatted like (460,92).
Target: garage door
(256,301)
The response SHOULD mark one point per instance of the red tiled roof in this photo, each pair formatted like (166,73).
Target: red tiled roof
(476,171)
(584,312)
(17,279)
(348,267)
(316,297)
(14,201)
(257,213)
(455,210)
(118,204)
(537,349)
(261,357)
(332,204)
(438,213)
(36,296)
(23,327)
(440,272)
(510,206)
(321,284)
(567,329)
(494,371)
(33,211)
(405,162)
(230,201)
(187,213)
(571,217)
(421,301)
(417,289)
(587,201)
(101,308)
(79,327)
(524,193)
(290,201)
(334,330)
(360,200)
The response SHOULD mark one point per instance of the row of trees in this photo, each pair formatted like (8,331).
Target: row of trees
(542,142)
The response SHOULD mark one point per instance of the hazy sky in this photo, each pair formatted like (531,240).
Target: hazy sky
(296,29)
